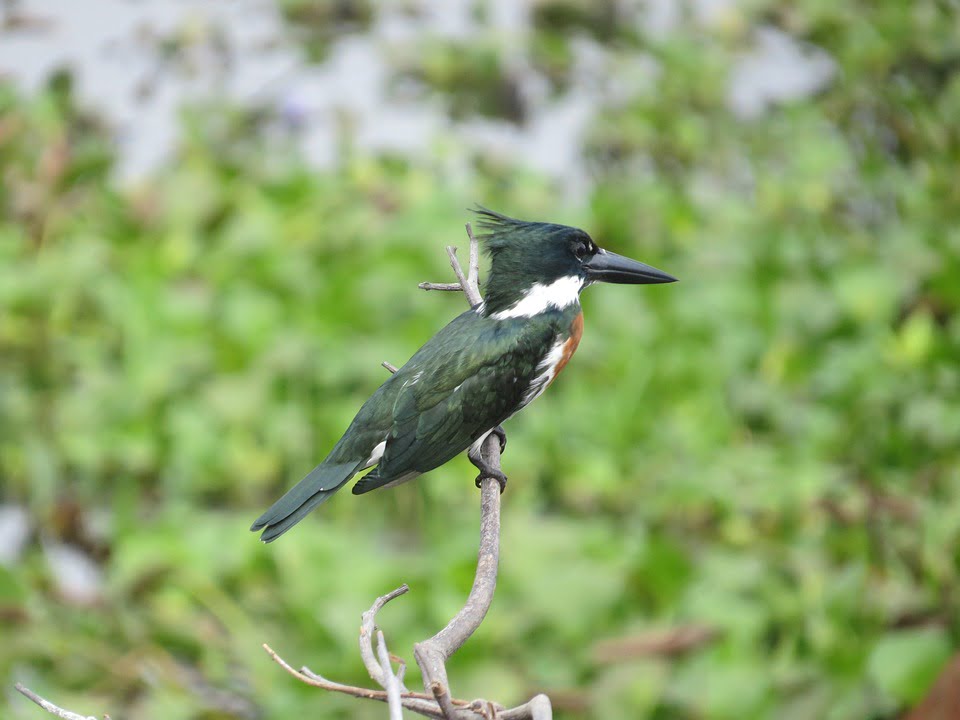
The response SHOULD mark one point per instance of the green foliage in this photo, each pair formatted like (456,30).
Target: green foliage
(474,79)
(768,447)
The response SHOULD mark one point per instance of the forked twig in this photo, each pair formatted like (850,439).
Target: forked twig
(368,629)
(417,702)
(468,283)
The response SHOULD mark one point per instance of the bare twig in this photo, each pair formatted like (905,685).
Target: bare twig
(417,702)
(389,366)
(392,682)
(447,287)
(367,629)
(401,668)
(537,708)
(458,271)
(468,283)
(473,270)
(50,707)
(311,678)
(444,700)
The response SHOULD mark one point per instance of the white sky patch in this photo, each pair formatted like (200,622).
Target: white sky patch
(558,294)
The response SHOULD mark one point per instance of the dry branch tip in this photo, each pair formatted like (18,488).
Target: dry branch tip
(50,707)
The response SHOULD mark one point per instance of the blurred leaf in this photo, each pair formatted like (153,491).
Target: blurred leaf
(904,663)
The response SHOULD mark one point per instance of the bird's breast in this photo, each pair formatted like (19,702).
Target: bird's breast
(555,359)
(570,345)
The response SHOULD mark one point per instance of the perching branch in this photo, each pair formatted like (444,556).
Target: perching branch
(54,709)
(432,654)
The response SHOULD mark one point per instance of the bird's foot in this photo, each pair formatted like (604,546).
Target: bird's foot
(489,472)
(501,436)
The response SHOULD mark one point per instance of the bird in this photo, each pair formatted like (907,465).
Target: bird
(476,372)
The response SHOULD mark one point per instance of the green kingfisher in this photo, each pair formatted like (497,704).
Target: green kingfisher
(479,370)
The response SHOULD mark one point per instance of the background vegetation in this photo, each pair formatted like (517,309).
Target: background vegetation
(768,448)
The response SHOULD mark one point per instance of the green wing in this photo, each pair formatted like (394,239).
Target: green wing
(469,378)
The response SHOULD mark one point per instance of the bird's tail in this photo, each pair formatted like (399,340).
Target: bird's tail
(322,482)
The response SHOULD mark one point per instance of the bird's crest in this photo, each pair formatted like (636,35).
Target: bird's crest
(497,230)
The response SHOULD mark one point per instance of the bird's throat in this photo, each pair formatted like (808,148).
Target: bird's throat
(538,298)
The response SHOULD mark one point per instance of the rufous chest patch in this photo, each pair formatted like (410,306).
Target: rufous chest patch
(570,346)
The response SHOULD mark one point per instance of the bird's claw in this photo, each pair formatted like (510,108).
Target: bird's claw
(501,436)
(489,472)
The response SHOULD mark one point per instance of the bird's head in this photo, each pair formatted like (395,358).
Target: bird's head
(551,263)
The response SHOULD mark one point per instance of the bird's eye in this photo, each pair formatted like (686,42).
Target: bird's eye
(581,250)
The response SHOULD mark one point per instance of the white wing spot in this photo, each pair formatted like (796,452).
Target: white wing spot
(375,455)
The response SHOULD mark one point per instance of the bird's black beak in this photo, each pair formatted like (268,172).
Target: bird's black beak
(609,267)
